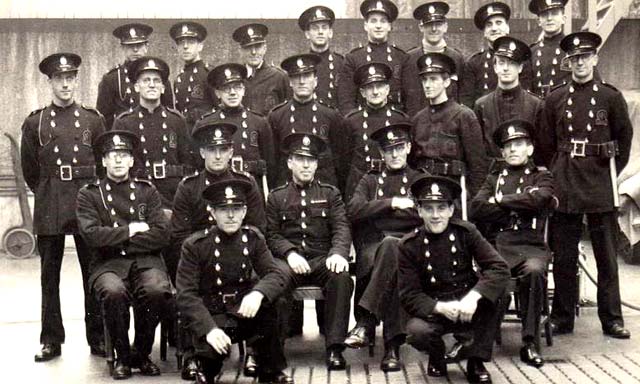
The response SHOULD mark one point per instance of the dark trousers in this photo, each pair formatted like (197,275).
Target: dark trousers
(149,291)
(381,297)
(337,289)
(533,275)
(566,230)
(51,249)
(261,331)
(426,334)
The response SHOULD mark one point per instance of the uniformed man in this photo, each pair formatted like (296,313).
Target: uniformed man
(193,97)
(587,127)
(57,159)
(266,85)
(433,24)
(190,211)
(163,135)
(480,78)
(381,212)
(220,292)
(317,24)
(515,203)
(510,100)
(253,146)
(445,134)
(362,153)
(379,16)
(116,93)
(307,226)
(438,285)
(122,220)
(306,114)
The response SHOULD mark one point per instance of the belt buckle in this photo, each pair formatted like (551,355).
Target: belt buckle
(159,171)
(237,163)
(579,147)
(66,173)
(230,296)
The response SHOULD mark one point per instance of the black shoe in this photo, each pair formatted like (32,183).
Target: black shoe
(391,360)
(357,338)
(49,351)
(98,350)
(250,366)
(121,371)
(437,367)
(146,367)
(529,355)
(335,360)
(559,329)
(200,378)
(457,353)
(617,331)
(476,372)
(189,368)
(276,378)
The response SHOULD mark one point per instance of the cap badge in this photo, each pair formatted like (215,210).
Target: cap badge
(379,5)
(116,140)
(152,64)
(435,189)
(511,130)
(228,193)
(227,73)
(306,141)
(300,63)
(250,31)
(512,46)
(185,28)
(217,133)
(372,70)
(490,10)
(432,9)
(132,32)
(63,60)
(319,13)
(549,2)
(391,136)
(576,41)
(428,61)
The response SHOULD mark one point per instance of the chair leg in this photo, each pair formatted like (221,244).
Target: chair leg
(179,334)
(108,342)
(164,339)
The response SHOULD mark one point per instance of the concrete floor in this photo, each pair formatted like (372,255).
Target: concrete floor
(584,357)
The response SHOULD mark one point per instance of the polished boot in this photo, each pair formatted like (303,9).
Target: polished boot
(146,366)
(357,337)
(250,366)
(49,351)
(458,352)
(335,360)
(391,360)
(617,331)
(275,378)
(121,371)
(476,372)
(559,329)
(437,367)
(530,356)
(189,368)
(98,350)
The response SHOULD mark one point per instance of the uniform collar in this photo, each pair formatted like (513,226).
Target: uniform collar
(232,111)
(553,38)
(426,47)
(61,108)
(193,64)
(513,92)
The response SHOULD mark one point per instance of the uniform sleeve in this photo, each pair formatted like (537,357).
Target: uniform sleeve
(189,300)
(412,297)
(167,97)
(481,209)
(255,205)
(474,154)
(267,150)
(104,103)
(621,129)
(277,242)
(362,207)
(98,128)
(157,237)
(274,279)
(410,86)
(181,224)
(337,140)
(547,140)
(93,231)
(275,173)
(494,271)
(185,156)
(29,155)
(347,90)
(535,198)
(340,229)
(467,91)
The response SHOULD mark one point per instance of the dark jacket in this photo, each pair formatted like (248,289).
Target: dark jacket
(266,88)
(193,96)
(328,71)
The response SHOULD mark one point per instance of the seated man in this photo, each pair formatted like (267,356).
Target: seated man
(307,226)
(513,202)
(123,221)
(218,290)
(438,285)
(381,212)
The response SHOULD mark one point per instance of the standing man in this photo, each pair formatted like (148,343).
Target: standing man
(164,139)
(116,93)
(381,212)
(57,160)
(308,228)
(446,135)
(122,221)
(266,84)
(317,25)
(378,18)
(193,96)
(587,127)
(515,203)
(480,79)
(432,18)
(229,283)
(438,285)
(509,100)
(305,114)
(362,153)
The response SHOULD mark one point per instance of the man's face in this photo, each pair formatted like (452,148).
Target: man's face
(253,54)
(433,32)
(582,66)
(436,215)
(231,94)
(395,156)
(63,86)
(552,21)
(376,93)
(494,27)
(434,84)
(377,26)
(189,49)
(303,168)
(303,85)
(229,218)
(319,34)
(217,157)
(135,51)
(150,86)
(508,71)
(117,163)
(516,152)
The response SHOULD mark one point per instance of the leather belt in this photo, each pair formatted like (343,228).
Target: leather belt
(254,167)
(442,168)
(162,171)
(580,148)
(518,223)
(69,172)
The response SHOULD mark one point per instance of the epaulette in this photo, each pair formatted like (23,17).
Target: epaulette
(117,66)
(277,68)
(199,235)
(174,111)
(191,176)
(93,184)
(533,94)
(143,181)
(207,67)
(125,113)
(327,185)
(91,109)
(337,54)
(555,88)
(374,171)
(352,112)
(414,49)
(278,106)
(212,112)
(541,168)
(409,236)
(469,226)
(356,49)
(253,229)
(398,48)
(481,52)
(34,112)
(394,108)
(280,187)
(609,85)
(243,173)
(454,49)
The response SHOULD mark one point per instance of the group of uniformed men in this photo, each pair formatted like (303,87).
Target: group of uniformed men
(388,151)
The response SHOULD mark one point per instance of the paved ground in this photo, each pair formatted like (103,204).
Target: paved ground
(584,357)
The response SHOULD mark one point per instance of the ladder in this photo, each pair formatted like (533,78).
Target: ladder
(603,15)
